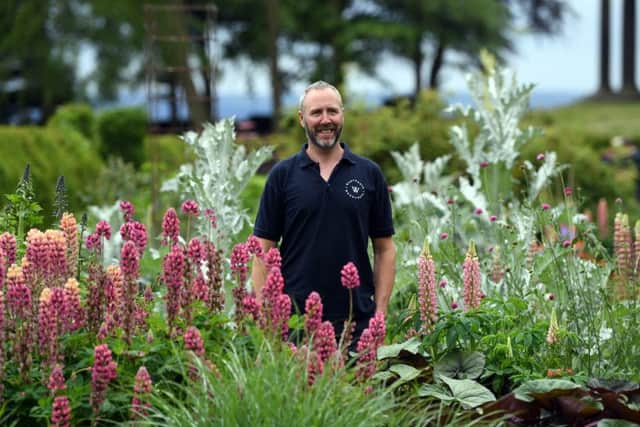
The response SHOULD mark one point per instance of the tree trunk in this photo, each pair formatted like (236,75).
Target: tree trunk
(605,42)
(629,89)
(274,71)
(436,66)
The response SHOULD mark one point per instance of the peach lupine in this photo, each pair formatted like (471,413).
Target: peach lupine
(471,278)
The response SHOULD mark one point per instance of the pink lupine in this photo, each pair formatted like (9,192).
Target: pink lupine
(195,251)
(365,363)
(3,269)
(114,274)
(3,340)
(471,278)
(273,259)
(349,276)
(190,207)
(129,261)
(497,268)
(254,246)
(568,191)
(18,294)
(136,232)
(8,246)
(102,373)
(69,227)
(273,287)
(142,387)
(193,341)
(46,255)
(56,380)
(170,227)
(173,269)
(93,242)
(130,266)
(622,243)
(200,288)
(239,260)
(213,261)
(378,328)
(61,413)
(324,341)
(281,315)
(250,307)
(312,313)
(427,299)
(210,214)
(636,248)
(127,210)
(103,229)
(47,328)
(602,218)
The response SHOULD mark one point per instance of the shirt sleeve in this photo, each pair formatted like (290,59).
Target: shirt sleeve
(380,217)
(270,217)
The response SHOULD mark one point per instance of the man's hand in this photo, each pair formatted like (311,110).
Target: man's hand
(384,271)
(258,270)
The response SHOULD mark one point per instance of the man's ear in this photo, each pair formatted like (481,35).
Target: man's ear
(300,120)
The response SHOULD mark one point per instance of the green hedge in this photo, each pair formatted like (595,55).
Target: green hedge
(121,132)
(77,116)
(51,152)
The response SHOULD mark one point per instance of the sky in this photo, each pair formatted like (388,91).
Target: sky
(566,63)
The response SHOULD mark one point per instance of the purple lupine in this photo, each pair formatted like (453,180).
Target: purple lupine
(427,299)
(312,313)
(103,372)
(173,268)
(471,278)
(170,227)
(142,387)
(127,210)
(349,276)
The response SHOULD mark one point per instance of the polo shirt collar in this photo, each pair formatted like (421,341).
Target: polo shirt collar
(304,159)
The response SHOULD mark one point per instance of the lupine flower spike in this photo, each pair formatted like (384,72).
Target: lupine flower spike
(471,278)
(427,300)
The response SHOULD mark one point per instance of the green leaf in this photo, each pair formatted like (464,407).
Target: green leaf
(383,376)
(461,365)
(609,422)
(469,393)
(412,345)
(432,390)
(526,391)
(405,372)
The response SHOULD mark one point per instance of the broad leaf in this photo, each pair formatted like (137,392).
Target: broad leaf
(405,372)
(460,365)
(469,393)
(550,388)
(432,390)
(412,345)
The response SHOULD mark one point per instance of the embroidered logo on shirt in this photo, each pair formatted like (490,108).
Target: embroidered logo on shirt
(354,189)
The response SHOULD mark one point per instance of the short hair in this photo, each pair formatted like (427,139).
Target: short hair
(320,84)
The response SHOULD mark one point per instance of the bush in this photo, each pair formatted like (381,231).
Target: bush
(51,152)
(121,132)
(77,116)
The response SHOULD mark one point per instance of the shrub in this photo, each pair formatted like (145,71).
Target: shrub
(77,116)
(122,132)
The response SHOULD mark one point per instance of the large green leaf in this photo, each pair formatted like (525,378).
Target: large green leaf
(412,345)
(550,388)
(469,393)
(405,372)
(433,390)
(460,365)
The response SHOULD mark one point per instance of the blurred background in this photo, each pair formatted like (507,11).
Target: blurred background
(97,90)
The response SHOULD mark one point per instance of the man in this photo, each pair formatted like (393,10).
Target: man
(325,203)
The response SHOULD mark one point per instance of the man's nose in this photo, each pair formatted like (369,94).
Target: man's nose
(325,117)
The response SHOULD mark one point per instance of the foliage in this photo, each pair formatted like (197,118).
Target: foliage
(78,116)
(122,132)
(217,177)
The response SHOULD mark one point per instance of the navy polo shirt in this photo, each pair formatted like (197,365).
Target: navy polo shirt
(324,225)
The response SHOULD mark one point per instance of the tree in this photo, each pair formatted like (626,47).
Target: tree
(604,86)
(629,89)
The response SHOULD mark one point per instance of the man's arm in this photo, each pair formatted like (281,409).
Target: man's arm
(258,270)
(384,271)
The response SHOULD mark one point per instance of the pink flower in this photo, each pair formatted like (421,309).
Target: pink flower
(313,313)
(365,363)
(75,317)
(546,206)
(130,260)
(69,227)
(250,307)
(136,232)
(478,211)
(211,216)
(239,260)
(170,227)
(195,251)
(254,247)
(568,191)
(61,413)
(427,301)
(173,268)
(281,315)
(324,341)
(190,207)
(484,164)
(273,287)
(273,259)
(127,210)
(566,243)
(102,373)
(8,246)
(493,218)
(450,201)
(193,341)
(443,283)
(349,276)
(56,380)
(443,236)
(471,278)
(454,305)
(540,157)
(142,387)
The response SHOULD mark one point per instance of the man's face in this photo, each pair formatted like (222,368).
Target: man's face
(322,118)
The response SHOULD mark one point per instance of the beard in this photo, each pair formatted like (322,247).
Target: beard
(323,143)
